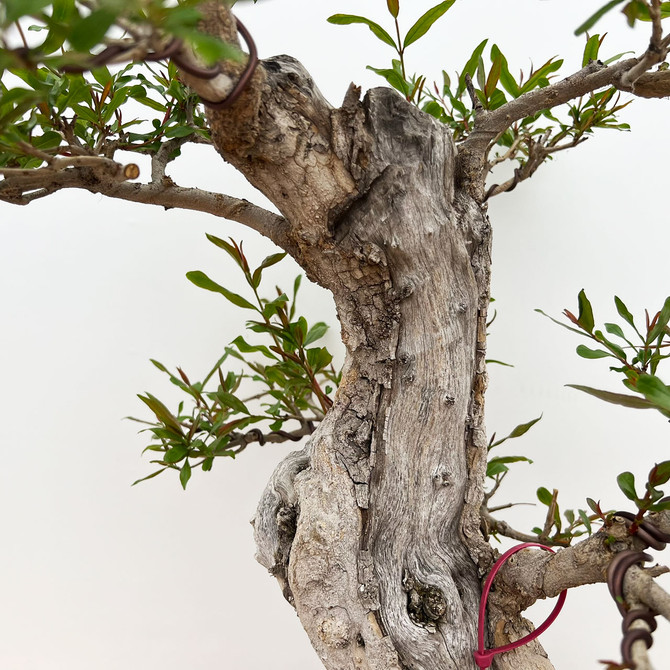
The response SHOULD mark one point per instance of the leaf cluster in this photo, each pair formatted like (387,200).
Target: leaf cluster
(654,499)
(61,114)
(286,380)
(577,522)
(61,95)
(531,140)
(636,350)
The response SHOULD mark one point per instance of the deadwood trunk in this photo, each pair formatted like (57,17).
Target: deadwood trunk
(373,530)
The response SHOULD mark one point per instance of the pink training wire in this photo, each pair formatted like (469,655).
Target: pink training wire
(484,657)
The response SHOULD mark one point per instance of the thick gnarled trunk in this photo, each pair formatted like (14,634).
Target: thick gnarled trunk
(380,569)
(373,531)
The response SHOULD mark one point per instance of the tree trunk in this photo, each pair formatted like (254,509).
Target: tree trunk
(373,531)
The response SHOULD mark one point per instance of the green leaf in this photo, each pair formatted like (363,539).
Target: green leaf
(585,520)
(594,18)
(162,413)
(423,25)
(660,473)
(201,280)
(176,453)
(491,361)
(317,331)
(267,262)
(585,317)
(523,428)
(91,30)
(229,400)
(614,329)
(661,322)
(615,398)
(539,78)
(654,390)
(392,77)
(226,246)
(544,496)
(562,325)
(470,67)
(210,48)
(591,50)
(626,482)
(319,358)
(151,476)
(246,348)
(207,464)
(595,507)
(623,311)
(393,7)
(346,19)
(15,9)
(499,464)
(585,352)
(185,474)
(506,79)
(494,468)
(494,74)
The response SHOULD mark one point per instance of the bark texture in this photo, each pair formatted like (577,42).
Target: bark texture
(375,535)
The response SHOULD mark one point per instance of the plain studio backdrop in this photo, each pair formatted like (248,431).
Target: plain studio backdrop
(96,574)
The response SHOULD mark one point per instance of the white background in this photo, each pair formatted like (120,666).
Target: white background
(96,574)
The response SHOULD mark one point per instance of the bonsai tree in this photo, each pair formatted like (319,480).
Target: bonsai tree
(378,530)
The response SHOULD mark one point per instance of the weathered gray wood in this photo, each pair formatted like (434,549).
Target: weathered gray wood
(384,567)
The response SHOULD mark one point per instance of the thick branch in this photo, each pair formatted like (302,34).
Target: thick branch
(536,575)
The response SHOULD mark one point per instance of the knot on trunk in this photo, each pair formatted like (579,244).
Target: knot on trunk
(426,604)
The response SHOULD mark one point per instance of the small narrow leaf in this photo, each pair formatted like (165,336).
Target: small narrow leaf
(623,311)
(151,476)
(594,18)
(585,312)
(423,25)
(523,428)
(494,74)
(393,7)
(470,67)
(379,32)
(585,520)
(201,280)
(615,398)
(661,323)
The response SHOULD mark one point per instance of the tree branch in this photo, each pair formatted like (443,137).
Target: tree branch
(640,586)
(503,528)
(101,175)
(630,75)
(655,53)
